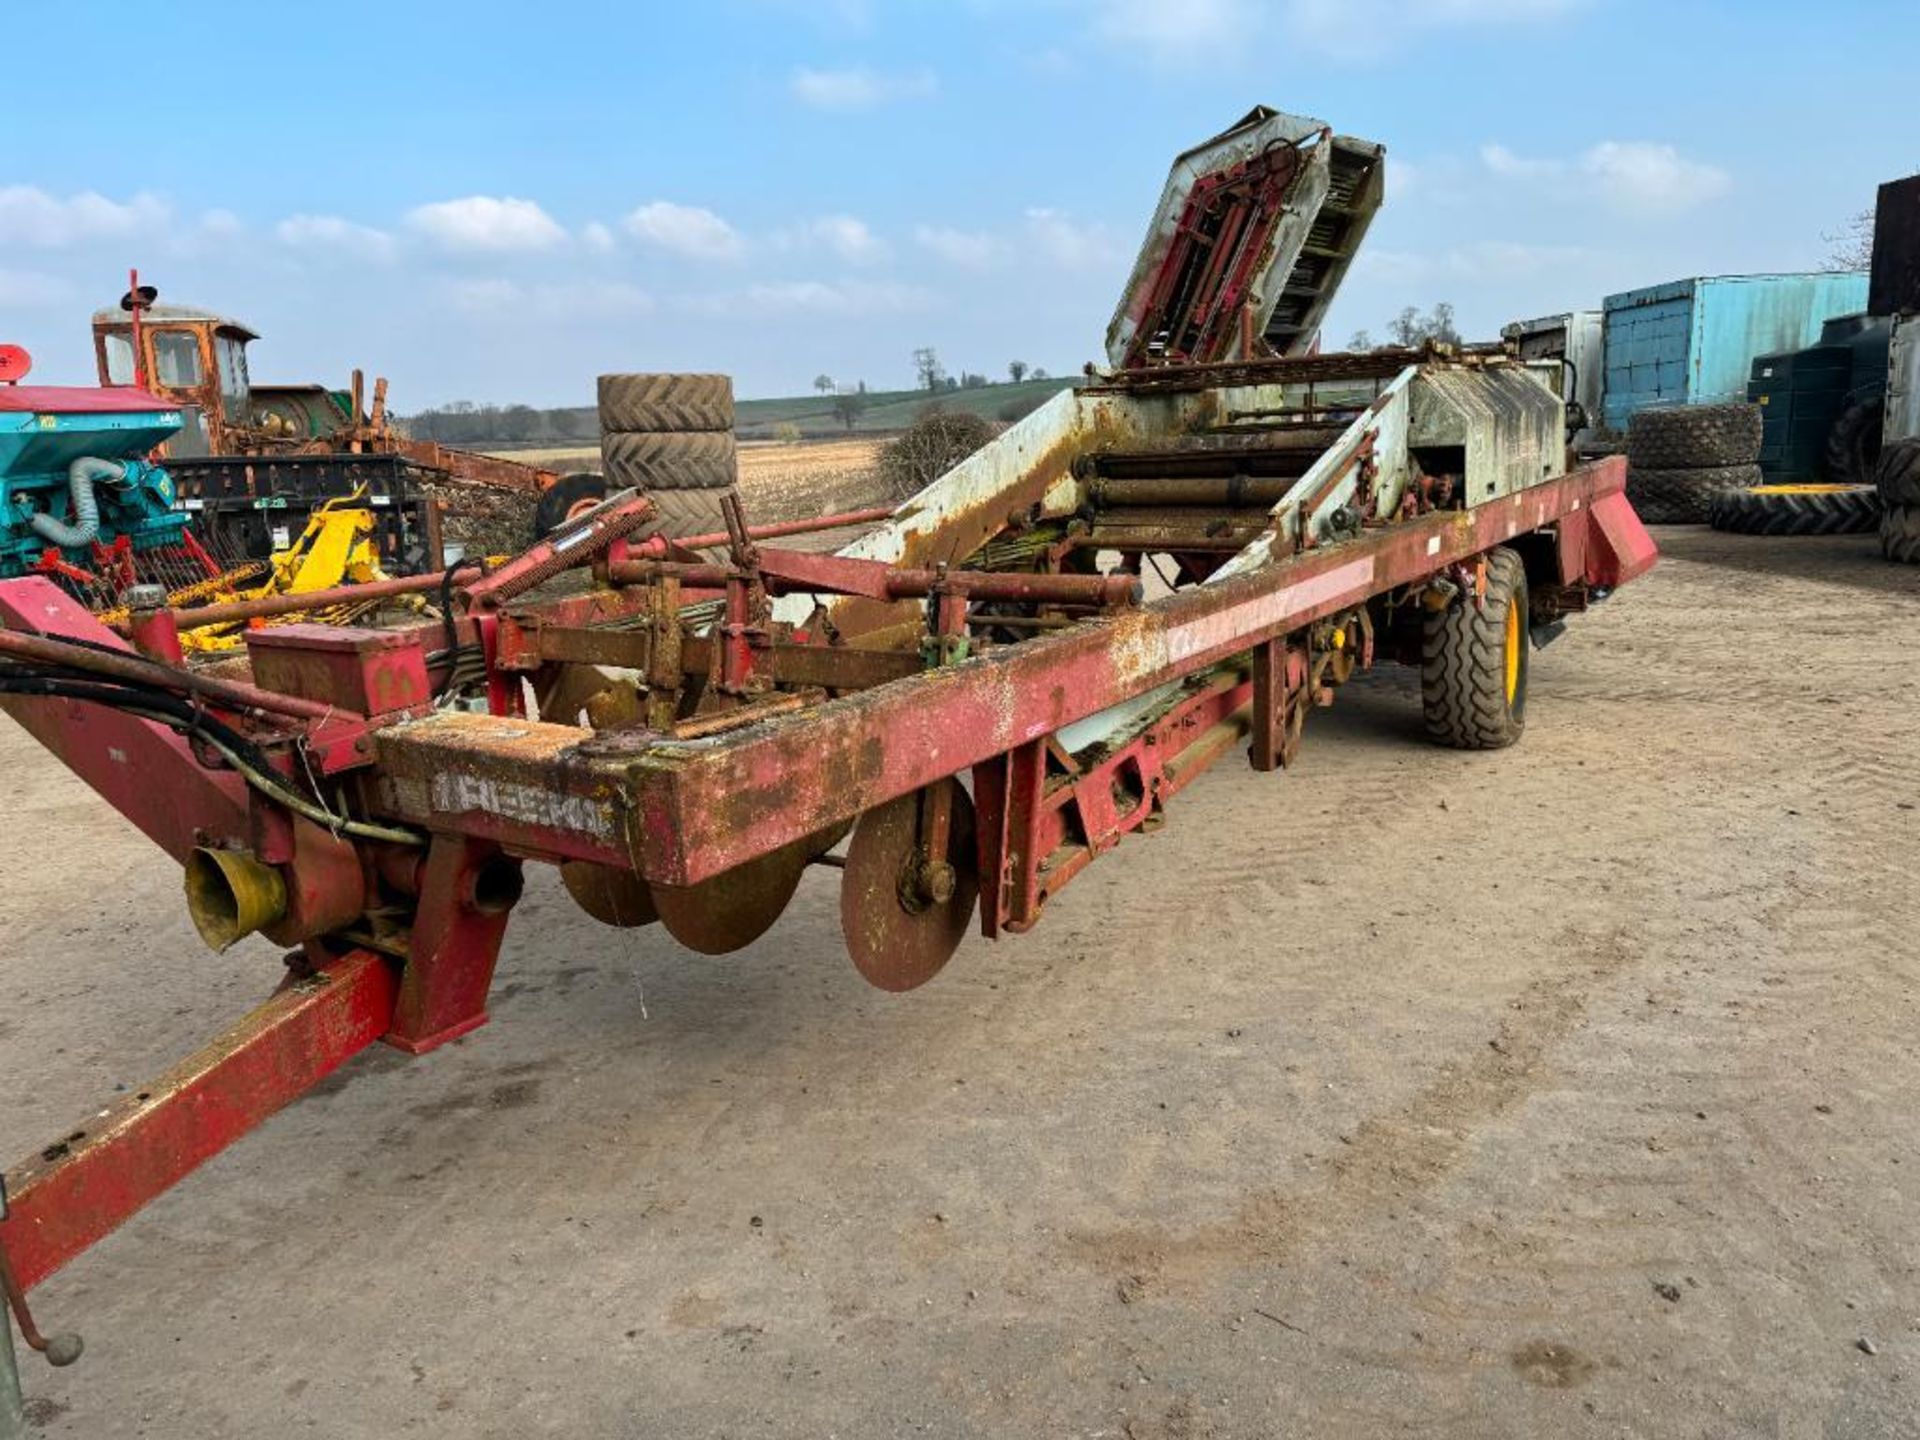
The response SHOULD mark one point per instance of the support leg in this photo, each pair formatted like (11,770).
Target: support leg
(467,889)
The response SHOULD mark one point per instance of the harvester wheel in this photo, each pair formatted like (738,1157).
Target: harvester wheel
(1693,437)
(567,497)
(1796,510)
(1473,662)
(1900,534)
(904,912)
(666,402)
(1897,477)
(1683,497)
(667,460)
(736,907)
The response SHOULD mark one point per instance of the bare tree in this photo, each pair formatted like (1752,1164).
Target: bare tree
(1410,328)
(823,383)
(1359,341)
(1851,246)
(926,365)
(1016,370)
(849,406)
(1038,374)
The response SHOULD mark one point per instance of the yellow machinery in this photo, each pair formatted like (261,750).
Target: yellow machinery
(336,548)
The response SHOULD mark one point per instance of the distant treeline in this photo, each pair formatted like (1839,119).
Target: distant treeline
(464,423)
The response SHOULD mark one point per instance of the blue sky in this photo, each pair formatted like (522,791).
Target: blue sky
(497,201)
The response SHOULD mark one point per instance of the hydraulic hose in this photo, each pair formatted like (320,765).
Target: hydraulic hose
(82,475)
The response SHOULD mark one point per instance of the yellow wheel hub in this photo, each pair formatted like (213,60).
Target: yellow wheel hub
(1515,640)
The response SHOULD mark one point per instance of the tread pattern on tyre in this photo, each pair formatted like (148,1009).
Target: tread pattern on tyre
(1900,534)
(1853,443)
(1684,497)
(1691,437)
(1853,511)
(668,460)
(680,513)
(1897,477)
(666,402)
(1463,685)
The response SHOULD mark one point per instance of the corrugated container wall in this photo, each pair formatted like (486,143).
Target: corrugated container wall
(1692,342)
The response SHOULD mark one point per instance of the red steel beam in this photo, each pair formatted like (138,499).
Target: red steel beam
(80,1189)
(680,814)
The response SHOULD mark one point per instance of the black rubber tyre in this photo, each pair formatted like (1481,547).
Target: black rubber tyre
(1796,510)
(1897,477)
(566,497)
(680,513)
(1683,497)
(666,402)
(1900,534)
(1693,437)
(1853,444)
(653,460)
(1473,662)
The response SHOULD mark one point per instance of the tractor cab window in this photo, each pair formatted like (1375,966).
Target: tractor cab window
(230,356)
(176,359)
(119,357)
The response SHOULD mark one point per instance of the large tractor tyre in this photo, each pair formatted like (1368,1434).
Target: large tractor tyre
(1796,510)
(1694,437)
(1900,534)
(1853,444)
(1683,497)
(567,497)
(656,460)
(1473,662)
(1897,476)
(683,513)
(666,402)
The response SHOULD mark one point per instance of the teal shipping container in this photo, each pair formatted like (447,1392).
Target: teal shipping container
(1693,342)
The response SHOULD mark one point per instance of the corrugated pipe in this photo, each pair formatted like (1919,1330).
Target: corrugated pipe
(81,477)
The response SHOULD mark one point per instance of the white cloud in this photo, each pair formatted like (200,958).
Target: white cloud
(331,233)
(597,238)
(972,249)
(1636,176)
(847,237)
(1641,176)
(32,290)
(30,216)
(1067,242)
(487,223)
(859,88)
(547,301)
(816,297)
(688,230)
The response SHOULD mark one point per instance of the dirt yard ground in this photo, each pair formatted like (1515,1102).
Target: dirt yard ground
(1569,1091)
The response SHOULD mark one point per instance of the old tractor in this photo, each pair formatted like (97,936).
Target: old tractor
(253,461)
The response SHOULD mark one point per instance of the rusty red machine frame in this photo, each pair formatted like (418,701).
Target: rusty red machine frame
(1018,671)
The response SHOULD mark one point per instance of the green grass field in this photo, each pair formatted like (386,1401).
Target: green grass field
(886,409)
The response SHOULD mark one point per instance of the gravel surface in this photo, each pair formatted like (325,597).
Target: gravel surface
(1565,1091)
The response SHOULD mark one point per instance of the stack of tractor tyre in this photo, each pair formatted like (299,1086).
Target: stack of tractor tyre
(1898,481)
(671,436)
(1679,458)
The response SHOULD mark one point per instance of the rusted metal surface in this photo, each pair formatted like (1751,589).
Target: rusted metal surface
(83,1185)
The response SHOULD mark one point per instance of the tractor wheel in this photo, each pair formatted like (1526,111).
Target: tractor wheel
(1692,437)
(1473,662)
(1897,477)
(1796,510)
(1900,534)
(1853,444)
(567,497)
(667,460)
(666,402)
(1682,497)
